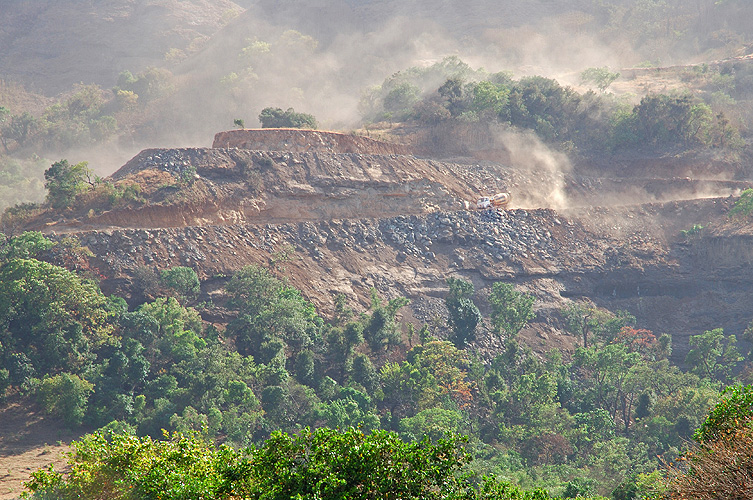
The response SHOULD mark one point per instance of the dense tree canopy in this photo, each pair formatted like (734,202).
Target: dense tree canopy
(589,424)
(51,320)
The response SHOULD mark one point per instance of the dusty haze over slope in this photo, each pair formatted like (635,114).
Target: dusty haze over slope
(230,59)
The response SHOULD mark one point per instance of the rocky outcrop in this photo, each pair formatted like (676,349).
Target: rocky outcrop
(230,186)
(352,221)
(301,141)
(668,283)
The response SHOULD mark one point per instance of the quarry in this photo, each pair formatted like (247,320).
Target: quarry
(353,213)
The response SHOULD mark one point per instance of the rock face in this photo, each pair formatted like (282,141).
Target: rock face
(303,141)
(230,186)
(671,286)
(351,221)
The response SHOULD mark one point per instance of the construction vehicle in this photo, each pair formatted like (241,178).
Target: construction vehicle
(499,200)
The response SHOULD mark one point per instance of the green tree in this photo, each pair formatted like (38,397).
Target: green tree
(277,118)
(713,355)
(720,464)
(380,330)
(579,487)
(434,423)
(148,85)
(734,410)
(451,92)
(401,98)
(305,368)
(267,309)
(673,119)
(51,317)
(65,396)
(543,105)
(183,280)
(18,129)
(364,373)
(346,412)
(178,332)
(611,377)
(511,310)
(601,77)
(340,346)
(464,315)
(64,182)
(330,464)
(490,98)
(25,246)
(584,320)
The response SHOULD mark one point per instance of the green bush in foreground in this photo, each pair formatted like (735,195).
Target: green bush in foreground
(318,464)
(122,466)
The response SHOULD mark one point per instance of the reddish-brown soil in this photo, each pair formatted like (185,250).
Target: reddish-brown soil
(29,441)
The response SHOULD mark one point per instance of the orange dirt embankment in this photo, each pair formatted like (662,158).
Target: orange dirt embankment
(302,141)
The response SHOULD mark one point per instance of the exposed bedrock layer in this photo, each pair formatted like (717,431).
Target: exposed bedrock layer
(671,284)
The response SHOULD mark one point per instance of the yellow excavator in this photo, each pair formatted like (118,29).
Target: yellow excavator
(499,200)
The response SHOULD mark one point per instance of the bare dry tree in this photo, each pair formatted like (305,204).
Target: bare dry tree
(716,470)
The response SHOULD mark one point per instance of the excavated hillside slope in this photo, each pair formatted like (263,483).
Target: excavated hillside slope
(239,185)
(350,222)
(675,285)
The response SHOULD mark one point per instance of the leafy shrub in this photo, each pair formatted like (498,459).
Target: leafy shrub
(693,231)
(735,410)
(183,280)
(744,205)
(277,118)
(65,396)
(122,466)
(15,217)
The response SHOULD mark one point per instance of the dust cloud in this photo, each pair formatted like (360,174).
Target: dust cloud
(545,170)
(320,56)
(311,61)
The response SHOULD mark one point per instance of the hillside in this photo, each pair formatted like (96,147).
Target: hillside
(224,60)
(337,222)
(49,46)
(396,223)
(236,282)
